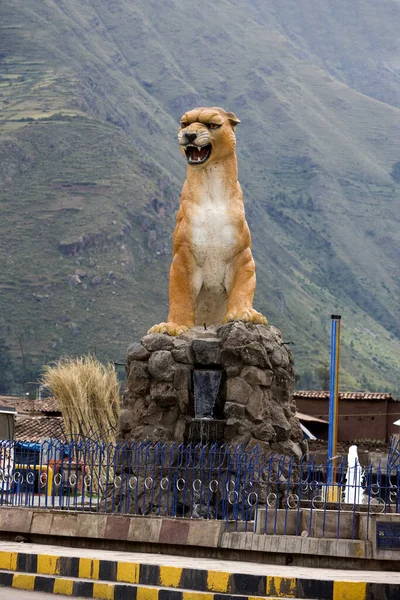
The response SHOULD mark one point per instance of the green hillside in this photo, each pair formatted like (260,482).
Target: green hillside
(90,170)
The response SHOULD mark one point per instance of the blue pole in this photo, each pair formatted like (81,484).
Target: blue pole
(333,396)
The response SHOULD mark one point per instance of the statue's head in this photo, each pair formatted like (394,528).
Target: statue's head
(206,135)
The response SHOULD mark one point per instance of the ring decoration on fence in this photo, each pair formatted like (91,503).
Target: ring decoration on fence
(252,495)
(213,486)
(148,483)
(197,485)
(30,478)
(180,484)
(292,501)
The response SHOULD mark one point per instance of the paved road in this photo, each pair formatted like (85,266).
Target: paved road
(11,594)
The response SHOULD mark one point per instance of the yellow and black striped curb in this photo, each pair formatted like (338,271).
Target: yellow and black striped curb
(124,575)
(343,590)
(105,591)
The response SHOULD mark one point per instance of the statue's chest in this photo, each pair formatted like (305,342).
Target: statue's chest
(212,230)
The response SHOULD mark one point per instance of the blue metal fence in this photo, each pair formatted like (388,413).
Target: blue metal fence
(244,487)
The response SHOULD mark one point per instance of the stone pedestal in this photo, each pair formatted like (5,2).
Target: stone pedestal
(253,403)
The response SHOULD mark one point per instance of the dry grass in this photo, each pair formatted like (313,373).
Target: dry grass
(88,393)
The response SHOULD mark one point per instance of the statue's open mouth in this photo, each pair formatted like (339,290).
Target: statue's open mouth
(196,155)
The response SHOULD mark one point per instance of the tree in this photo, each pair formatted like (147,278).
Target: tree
(322,375)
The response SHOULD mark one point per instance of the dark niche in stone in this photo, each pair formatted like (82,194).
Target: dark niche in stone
(208,395)
(206,391)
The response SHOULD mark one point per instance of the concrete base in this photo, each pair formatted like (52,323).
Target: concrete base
(196,538)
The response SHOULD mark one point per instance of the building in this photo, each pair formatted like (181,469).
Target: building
(35,419)
(362,415)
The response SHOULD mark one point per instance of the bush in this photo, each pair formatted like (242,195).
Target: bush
(88,393)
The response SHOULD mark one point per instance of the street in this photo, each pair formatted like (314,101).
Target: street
(14,594)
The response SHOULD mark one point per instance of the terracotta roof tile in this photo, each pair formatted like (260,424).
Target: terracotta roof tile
(47,405)
(33,429)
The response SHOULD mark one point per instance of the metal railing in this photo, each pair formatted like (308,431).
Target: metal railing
(244,487)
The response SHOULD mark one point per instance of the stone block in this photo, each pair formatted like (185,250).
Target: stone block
(174,531)
(183,378)
(276,333)
(254,354)
(256,376)
(225,540)
(237,333)
(179,431)
(232,371)
(42,522)
(206,352)
(248,540)
(16,520)
(265,432)
(126,420)
(356,549)
(279,522)
(117,527)
(138,378)
(294,544)
(325,524)
(279,422)
(182,352)
(161,365)
(169,417)
(65,524)
(255,404)
(205,533)
(92,526)
(231,429)
(277,357)
(157,341)
(232,410)
(237,390)
(144,529)
(137,352)
(163,394)
(341,548)
(230,357)
(183,401)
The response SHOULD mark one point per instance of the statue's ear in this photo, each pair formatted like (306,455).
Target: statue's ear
(233,120)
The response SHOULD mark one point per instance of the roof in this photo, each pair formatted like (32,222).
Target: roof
(22,405)
(344,395)
(35,419)
(33,429)
(309,418)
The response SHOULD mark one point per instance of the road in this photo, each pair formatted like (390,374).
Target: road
(13,594)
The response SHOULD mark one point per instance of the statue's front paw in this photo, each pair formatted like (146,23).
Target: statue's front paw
(248,315)
(169,328)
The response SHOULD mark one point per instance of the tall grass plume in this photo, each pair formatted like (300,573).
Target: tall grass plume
(88,393)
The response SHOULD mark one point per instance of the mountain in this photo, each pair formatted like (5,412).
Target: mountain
(91,92)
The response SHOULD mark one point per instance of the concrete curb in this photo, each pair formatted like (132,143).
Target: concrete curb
(105,590)
(118,580)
